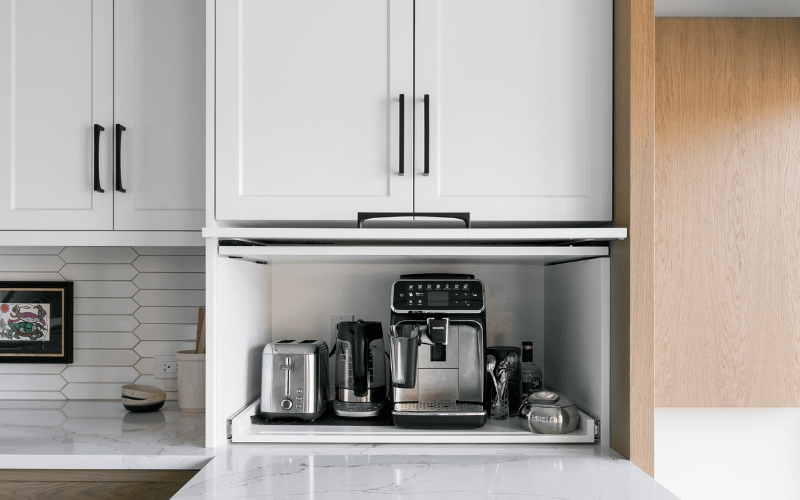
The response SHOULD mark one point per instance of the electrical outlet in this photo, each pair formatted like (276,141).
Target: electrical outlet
(165,367)
(336,319)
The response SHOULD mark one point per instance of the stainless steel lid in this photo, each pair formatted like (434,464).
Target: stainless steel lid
(547,399)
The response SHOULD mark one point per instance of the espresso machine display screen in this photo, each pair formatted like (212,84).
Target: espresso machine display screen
(437,299)
(438,295)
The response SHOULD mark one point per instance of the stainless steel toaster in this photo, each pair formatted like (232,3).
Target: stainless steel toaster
(294,379)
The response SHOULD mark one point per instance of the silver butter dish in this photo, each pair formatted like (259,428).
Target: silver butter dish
(548,412)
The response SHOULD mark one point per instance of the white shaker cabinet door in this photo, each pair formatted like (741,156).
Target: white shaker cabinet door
(55,85)
(159,110)
(519,118)
(308,108)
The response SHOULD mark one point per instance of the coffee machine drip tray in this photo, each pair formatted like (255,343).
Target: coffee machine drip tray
(438,415)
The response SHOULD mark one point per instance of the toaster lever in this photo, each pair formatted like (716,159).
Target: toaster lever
(287,378)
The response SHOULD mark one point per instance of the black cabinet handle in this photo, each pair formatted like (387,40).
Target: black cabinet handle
(427,135)
(402,132)
(119,187)
(97,130)
(362,216)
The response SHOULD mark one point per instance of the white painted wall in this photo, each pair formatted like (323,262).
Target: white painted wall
(130,304)
(728,453)
(727,8)
(305,295)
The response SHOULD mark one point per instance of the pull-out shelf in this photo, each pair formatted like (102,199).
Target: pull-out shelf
(383,236)
(408,255)
(242,430)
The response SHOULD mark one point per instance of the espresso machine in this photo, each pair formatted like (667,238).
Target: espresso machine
(360,369)
(438,341)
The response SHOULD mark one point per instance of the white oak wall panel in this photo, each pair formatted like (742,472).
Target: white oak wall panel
(130,304)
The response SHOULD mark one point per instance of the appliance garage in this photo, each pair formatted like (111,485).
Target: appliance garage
(425,339)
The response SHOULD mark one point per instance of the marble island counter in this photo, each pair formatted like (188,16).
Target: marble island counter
(102,435)
(563,472)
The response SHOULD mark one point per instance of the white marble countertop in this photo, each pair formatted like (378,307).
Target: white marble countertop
(563,472)
(102,435)
(99,435)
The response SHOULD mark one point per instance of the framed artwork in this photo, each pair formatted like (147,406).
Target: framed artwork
(36,321)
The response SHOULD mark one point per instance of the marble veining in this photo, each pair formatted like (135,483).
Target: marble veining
(569,472)
(99,434)
(102,435)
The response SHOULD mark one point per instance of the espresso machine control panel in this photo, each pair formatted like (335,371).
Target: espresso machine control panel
(438,295)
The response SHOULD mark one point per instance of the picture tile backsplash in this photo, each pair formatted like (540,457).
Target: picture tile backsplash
(131,304)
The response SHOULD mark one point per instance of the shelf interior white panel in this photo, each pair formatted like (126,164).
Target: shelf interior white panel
(411,254)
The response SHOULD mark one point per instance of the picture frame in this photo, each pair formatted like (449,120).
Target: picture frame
(36,321)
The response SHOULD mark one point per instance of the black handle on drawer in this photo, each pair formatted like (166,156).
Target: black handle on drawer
(427,100)
(119,187)
(97,130)
(402,141)
(362,216)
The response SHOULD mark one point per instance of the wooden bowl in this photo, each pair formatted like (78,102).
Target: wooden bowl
(141,398)
(134,391)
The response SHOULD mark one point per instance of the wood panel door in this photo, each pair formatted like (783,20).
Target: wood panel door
(56,84)
(159,99)
(308,109)
(727,267)
(519,109)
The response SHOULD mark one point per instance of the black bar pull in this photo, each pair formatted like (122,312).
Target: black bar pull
(402,141)
(362,216)
(427,100)
(119,187)
(97,130)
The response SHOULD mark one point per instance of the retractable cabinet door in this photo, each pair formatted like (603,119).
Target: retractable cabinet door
(518,121)
(159,114)
(308,121)
(55,114)
(577,336)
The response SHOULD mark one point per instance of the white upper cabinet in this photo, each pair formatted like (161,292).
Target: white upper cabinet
(517,126)
(308,120)
(159,92)
(55,85)
(77,68)
(519,109)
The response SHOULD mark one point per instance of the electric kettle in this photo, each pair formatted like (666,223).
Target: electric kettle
(360,369)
